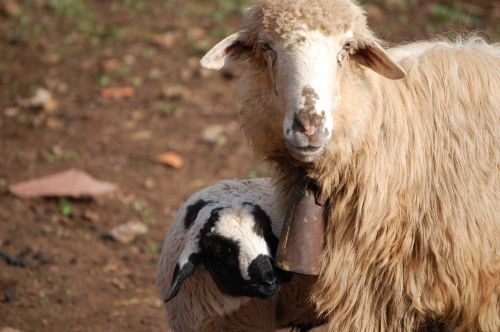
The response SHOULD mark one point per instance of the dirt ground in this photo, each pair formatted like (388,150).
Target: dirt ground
(66,274)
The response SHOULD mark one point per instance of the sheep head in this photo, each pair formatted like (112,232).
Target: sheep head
(235,245)
(301,46)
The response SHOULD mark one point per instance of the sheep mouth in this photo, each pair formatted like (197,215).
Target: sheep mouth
(261,291)
(308,153)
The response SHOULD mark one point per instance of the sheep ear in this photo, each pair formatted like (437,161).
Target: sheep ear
(370,54)
(182,273)
(230,50)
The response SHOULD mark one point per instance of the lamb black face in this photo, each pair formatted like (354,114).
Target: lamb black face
(220,258)
(236,256)
(234,246)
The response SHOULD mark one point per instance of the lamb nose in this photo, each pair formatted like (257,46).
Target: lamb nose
(269,280)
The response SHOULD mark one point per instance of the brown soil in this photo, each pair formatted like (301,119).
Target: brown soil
(72,278)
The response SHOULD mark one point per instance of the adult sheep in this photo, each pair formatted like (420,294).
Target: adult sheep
(404,144)
(215,271)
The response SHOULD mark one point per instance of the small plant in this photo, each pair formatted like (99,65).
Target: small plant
(104,80)
(69,291)
(155,249)
(154,74)
(65,207)
(166,108)
(44,300)
(123,71)
(101,33)
(138,206)
(137,81)
(70,8)
(150,221)
(259,172)
(57,153)
(138,5)
(148,53)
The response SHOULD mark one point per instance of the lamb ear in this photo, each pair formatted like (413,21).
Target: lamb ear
(370,54)
(230,50)
(182,273)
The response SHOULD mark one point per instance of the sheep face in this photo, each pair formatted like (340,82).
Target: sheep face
(302,59)
(305,89)
(234,245)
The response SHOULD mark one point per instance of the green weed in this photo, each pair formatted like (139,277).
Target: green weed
(155,249)
(56,154)
(137,81)
(104,80)
(150,221)
(166,108)
(261,171)
(44,301)
(138,5)
(123,71)
(70,8)
(65,207)
(148,53)
(69,291)
(154,74)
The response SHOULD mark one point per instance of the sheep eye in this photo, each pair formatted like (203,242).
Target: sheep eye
(268,52)
(265,47)
(343,54)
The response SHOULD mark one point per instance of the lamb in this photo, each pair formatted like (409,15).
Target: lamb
(404,145)
(221,245)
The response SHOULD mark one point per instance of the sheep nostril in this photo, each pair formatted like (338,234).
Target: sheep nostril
(270,281)
(308,125)
(262,274)
(297,124)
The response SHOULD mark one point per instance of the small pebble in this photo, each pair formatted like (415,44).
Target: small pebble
(91,215)
(9,296)
(149,183)
(11,112)
(128,232)
(41,258)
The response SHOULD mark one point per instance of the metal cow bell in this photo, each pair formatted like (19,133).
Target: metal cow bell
(301,239)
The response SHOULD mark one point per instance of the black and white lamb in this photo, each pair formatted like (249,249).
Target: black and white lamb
(216,266)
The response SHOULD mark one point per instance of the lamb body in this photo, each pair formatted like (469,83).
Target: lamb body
(204,302)
(410,166)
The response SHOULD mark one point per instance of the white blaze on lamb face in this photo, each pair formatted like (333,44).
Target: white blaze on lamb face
(243,227)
